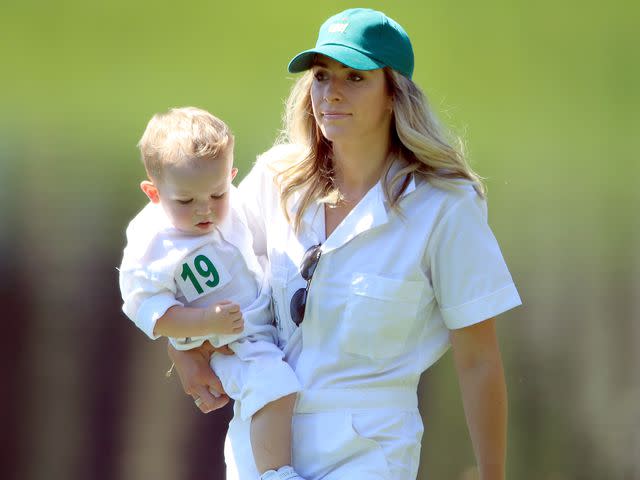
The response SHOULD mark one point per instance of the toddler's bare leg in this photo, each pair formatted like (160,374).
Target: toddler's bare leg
(271,434)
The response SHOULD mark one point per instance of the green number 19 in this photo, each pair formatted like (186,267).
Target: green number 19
(205,268)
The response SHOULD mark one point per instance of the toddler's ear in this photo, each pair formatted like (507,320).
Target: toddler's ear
(234,172)
(150,190)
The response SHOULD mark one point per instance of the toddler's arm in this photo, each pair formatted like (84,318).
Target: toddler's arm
(223,318)
(149,299)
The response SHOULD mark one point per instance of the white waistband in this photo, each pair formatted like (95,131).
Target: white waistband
(397,398)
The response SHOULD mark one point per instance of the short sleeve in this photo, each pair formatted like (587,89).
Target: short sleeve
(470,279)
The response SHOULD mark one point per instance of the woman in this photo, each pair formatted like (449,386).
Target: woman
(381,257)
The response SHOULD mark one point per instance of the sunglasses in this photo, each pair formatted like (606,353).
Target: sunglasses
(307,267)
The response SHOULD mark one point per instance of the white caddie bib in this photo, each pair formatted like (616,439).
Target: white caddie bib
(201,273)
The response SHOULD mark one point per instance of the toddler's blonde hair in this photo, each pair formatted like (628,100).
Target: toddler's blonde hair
(182,135)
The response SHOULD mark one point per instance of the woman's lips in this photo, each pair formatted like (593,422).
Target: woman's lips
(335,115)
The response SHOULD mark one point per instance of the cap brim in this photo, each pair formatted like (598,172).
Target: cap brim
(347,56)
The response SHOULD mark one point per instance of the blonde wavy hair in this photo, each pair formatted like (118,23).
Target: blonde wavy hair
(417,138)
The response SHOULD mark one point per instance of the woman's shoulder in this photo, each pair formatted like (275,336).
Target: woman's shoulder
(260,188)
(448,200)
(280,157)
(449,192)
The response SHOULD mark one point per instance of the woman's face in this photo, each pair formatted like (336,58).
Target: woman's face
(350,104)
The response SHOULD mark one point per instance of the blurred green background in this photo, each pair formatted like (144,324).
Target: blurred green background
(545,94)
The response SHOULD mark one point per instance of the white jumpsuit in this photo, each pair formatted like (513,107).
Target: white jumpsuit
(386,291)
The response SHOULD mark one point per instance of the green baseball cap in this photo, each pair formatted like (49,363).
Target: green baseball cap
(363,39)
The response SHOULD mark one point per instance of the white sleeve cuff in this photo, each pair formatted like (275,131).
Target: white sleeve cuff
(220,340)
(186,343)
(481,309)
(151,310)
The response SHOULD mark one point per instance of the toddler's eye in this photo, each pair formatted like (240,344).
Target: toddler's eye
(218,197)
(185,202)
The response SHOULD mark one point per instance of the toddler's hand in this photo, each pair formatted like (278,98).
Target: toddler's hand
(224,318)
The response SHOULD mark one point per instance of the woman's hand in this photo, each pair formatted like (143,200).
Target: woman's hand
(197,377)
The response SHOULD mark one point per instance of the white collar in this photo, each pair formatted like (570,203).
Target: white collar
(371,212)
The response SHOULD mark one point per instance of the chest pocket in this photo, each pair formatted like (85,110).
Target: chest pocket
(380,315)
(201,273)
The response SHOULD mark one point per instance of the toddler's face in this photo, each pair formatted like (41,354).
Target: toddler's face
(196,197)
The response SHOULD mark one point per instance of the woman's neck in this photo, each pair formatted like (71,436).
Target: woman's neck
(358,166)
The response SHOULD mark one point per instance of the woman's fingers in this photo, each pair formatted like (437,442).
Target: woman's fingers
(206,401)
(225,350)
(198,379)
(212,382)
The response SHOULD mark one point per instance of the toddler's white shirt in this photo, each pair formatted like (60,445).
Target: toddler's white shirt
(163,267)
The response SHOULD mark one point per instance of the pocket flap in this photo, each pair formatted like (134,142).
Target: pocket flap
(384,288)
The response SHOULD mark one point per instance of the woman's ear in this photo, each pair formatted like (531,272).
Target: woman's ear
(150,190)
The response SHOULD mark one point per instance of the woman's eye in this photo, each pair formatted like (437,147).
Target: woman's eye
(354,77)
(185,202)
(319,75)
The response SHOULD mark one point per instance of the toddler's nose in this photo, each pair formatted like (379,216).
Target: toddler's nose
(203,209)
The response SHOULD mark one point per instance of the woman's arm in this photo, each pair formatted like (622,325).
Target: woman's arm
(484,394)
(197,377)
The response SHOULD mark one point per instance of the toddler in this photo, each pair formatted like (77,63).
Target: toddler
(189,273)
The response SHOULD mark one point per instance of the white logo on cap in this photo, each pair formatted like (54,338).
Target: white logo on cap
(338,27)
